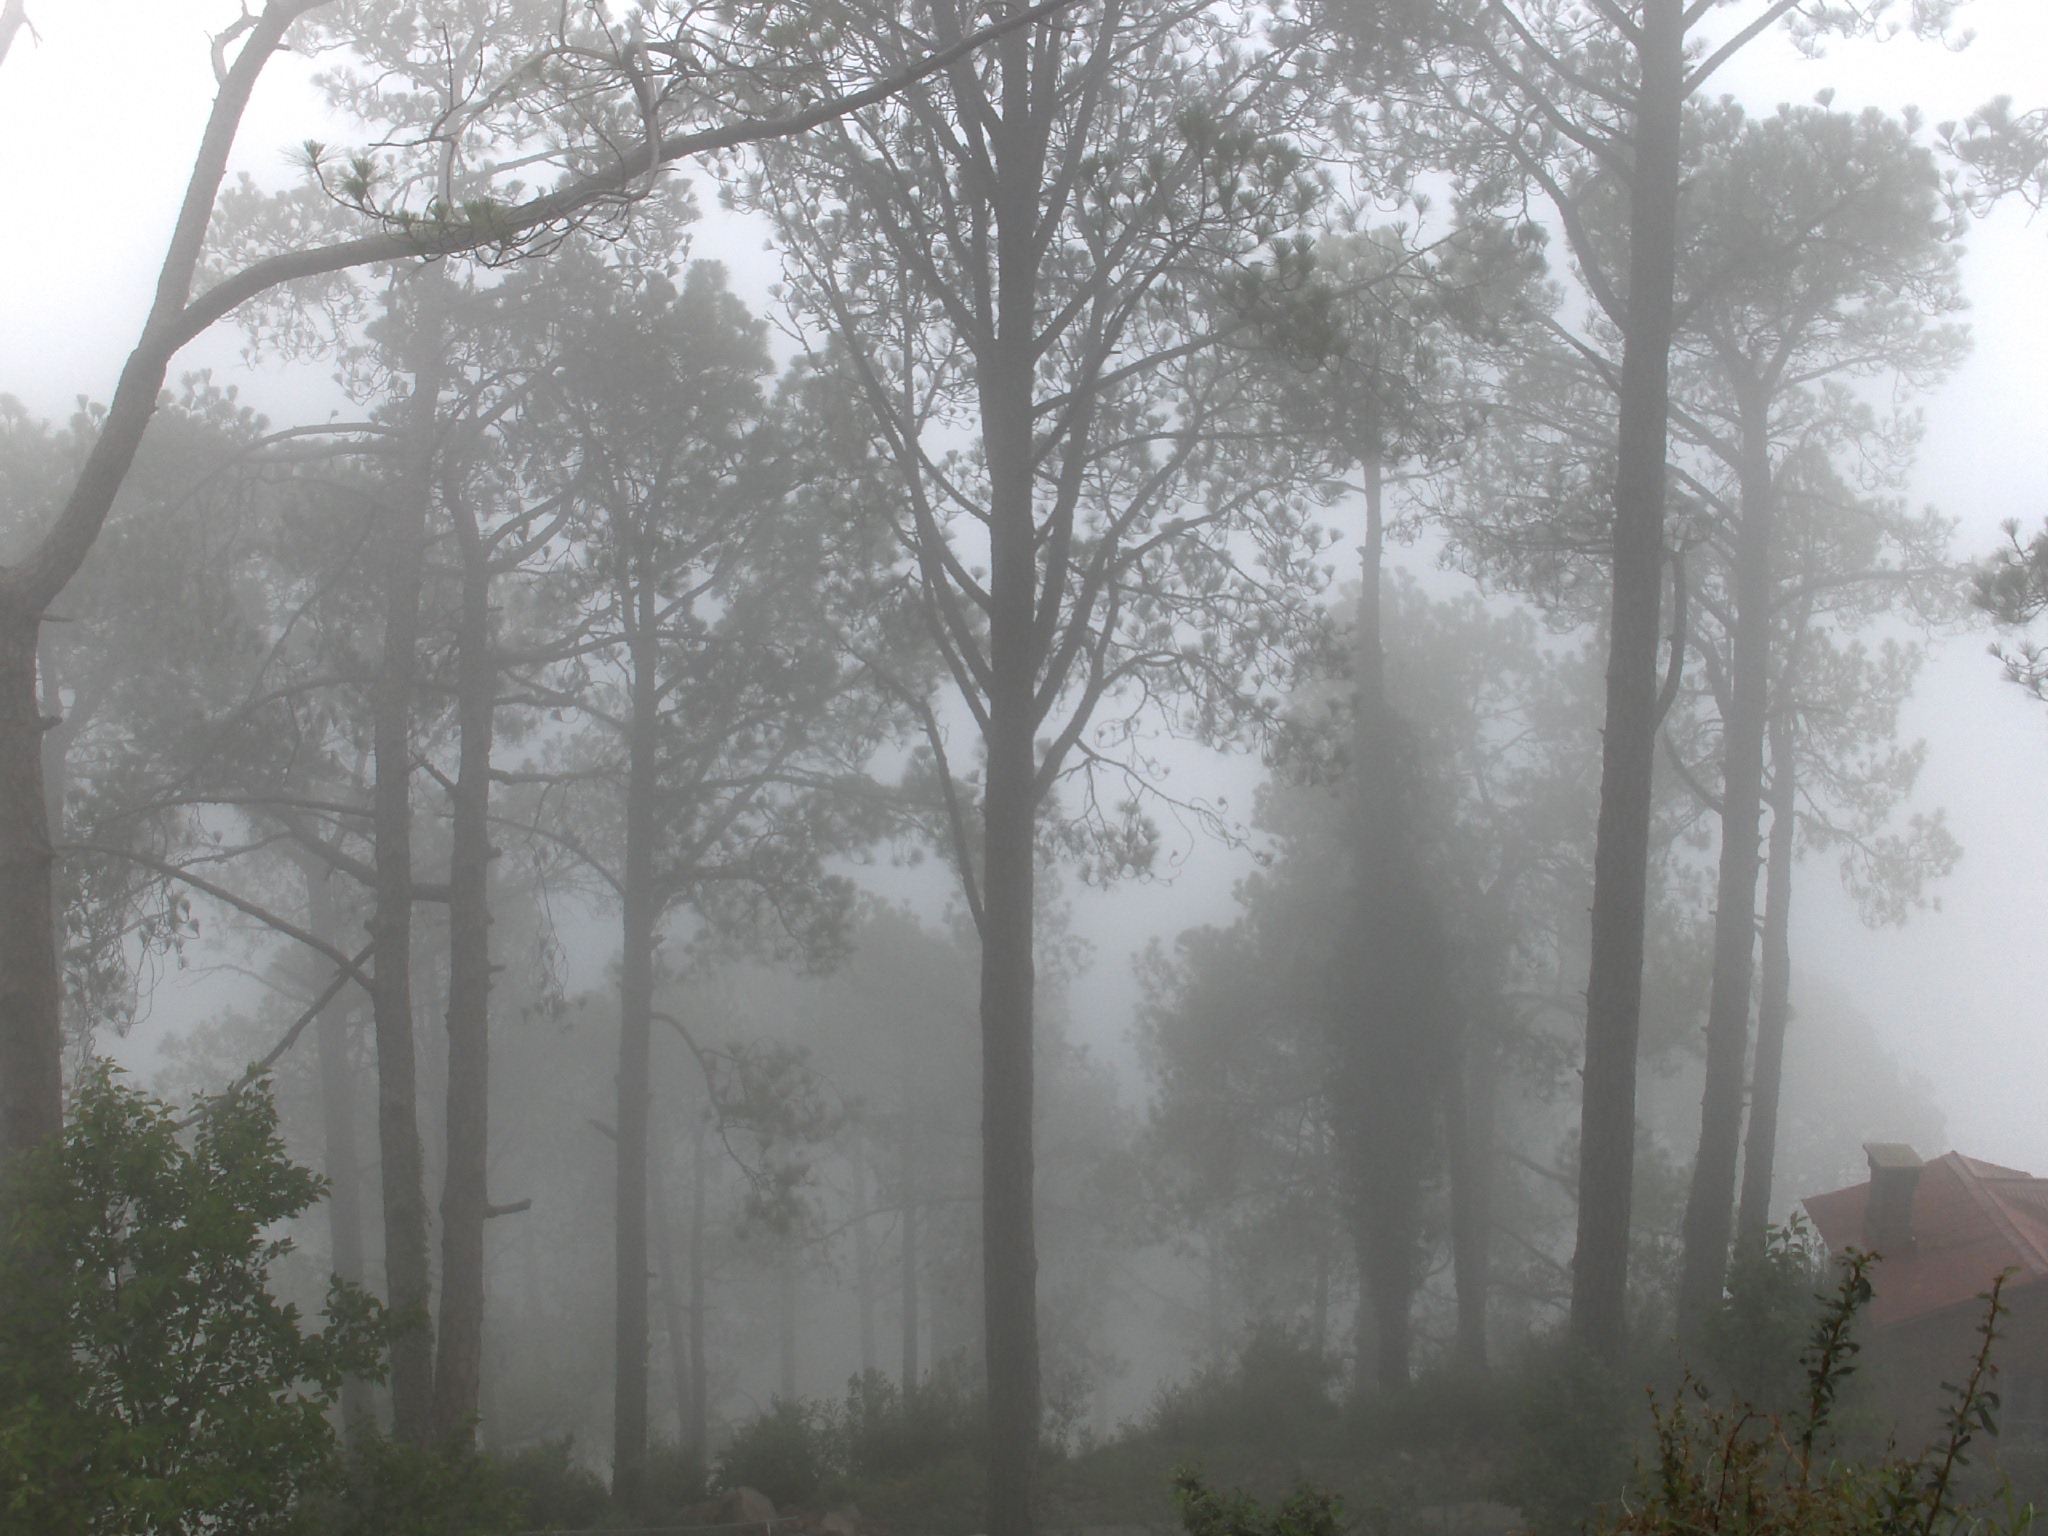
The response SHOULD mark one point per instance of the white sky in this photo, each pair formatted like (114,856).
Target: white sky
(97,124)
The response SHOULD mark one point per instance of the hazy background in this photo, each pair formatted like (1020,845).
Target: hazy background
(97,123)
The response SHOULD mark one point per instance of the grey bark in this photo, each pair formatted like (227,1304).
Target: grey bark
(465,1199)
(406,1278)
(342,1162)
(863,1261)
(1774,1006)
(674,1305)
(909,1256)
(785,1319)
(1614,985)
(696,1430)
(1710,1205)
(641,913)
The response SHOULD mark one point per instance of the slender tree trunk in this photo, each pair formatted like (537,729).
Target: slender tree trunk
(909,1241)
(864,1262)
(785,1320)
(1774,1007)
(406,1277)
(465,1199)
(343,1160)
(1217,1319)
(636,1023)
(673,1304)
(1469,1144)
(1614,985)
(697,1429)
(1709,1208)
(60,729)
(1009,1242)
(31,985)
(1319,1298)
(1389,1016)
(31,1014)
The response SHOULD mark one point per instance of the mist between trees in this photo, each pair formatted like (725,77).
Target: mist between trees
(537,749)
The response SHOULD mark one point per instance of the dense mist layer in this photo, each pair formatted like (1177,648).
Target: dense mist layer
(909,766)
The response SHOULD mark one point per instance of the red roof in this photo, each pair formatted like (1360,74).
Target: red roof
(1971,1220)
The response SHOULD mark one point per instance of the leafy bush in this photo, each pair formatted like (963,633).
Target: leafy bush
(149,1380)
(1749,1346)
(676,1478)
(558,1491)
(1204,1511)
(1729,1467)
(885,1431)
(400,1490)
(1277,1388)
(786,1453)
(1577,1421)
(798,1452)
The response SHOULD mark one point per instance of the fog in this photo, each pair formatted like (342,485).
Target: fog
(1264,798)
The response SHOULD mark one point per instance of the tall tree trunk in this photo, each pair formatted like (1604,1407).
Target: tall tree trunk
(60,729)
(1319,1297)
(674,1306)
(1389,1016)
(864,1261)
(1009,1241)
(1710,1206)
(343,1160)
(31,1011)
(465,1199)
(697,1429)
(1468,1137)
(1774,1007)
(636,1023)
(31,986)
(1614,984)
(785,1320)
(911,1175)
(406,1279)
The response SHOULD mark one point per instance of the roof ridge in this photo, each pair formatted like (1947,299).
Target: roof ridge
(2022,1242)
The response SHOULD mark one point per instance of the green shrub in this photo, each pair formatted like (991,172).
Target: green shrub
(559,1492)
(400,1490)
(1749,1346)
(1204,1511)
(1278,1389)
(1726,1466)
(786,1453)
(676,1478)
(1440,1410)
(885,1431)
(1577,1421)
(149,1380)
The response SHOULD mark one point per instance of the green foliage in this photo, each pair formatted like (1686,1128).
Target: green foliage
(558,1491)
(1750,1345)
(2012,586)
(149,1380)
(881,1437)
(786,1453)
(1727,1466)
(1276,1391)
(676,1478)
(1577,1418)
(1204,1511)
(399,1490)
(885,1431)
